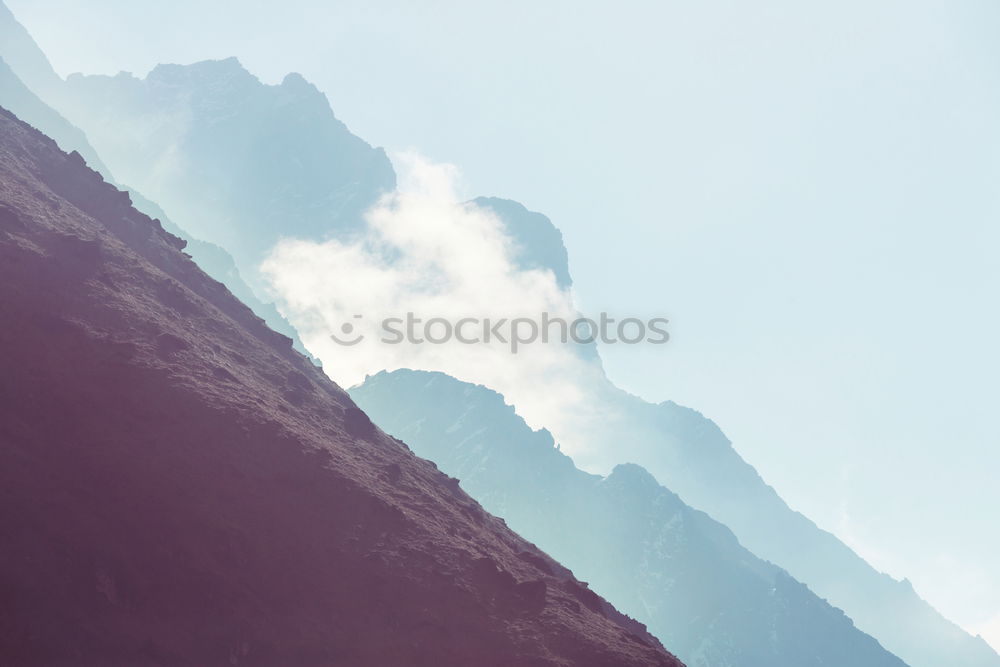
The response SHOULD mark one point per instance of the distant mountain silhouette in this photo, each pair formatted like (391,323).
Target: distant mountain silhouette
(539,243)
(672,567)
(25,58)
(179,486)
(16,97)
(243,164)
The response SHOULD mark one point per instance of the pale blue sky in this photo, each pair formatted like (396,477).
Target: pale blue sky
(809,191)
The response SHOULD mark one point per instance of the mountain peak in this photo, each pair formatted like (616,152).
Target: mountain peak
(296,81)
(539,243)
(202,71)
(633,475)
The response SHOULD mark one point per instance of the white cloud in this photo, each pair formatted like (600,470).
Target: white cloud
(429,253)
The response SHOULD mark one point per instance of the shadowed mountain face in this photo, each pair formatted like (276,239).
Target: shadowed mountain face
(241,163)
(683,574)
(178,486)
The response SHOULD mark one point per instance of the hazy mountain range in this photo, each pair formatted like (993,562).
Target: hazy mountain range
(240,165)
(690,455)
(672,567)
(240,162)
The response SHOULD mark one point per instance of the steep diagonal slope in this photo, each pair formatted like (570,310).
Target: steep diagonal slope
(676,569)
(177,485)
(219,264)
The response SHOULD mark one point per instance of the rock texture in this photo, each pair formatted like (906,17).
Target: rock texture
(178,486)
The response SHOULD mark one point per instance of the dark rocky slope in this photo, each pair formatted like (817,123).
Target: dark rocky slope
(178,486)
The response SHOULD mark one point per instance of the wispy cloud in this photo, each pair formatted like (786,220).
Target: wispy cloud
(428,252)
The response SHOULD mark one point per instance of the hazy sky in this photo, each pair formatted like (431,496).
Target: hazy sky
(808,190)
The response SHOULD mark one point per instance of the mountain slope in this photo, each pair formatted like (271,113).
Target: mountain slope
(674,568)
(219,264)
(177,485)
